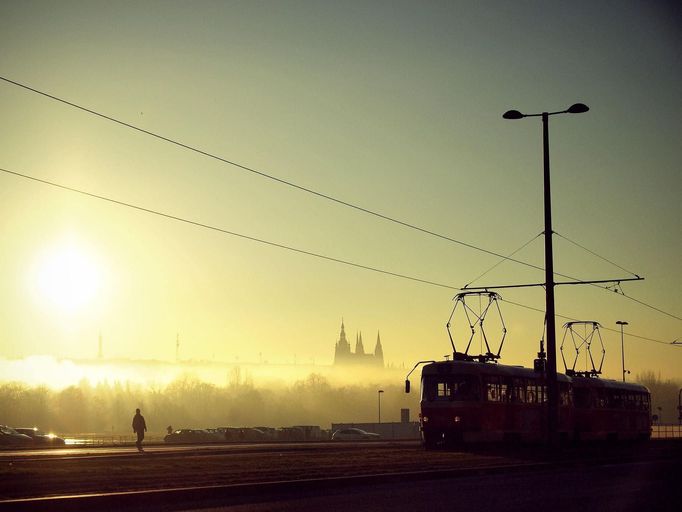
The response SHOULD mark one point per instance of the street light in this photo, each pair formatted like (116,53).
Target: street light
(379,394)
(622,345)
(552,384)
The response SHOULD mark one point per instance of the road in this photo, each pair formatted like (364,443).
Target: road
(346,476)
(126,451)
(635,487)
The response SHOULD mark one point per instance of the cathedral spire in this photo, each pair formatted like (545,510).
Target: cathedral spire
(342,335)
(379,351)
(359,347)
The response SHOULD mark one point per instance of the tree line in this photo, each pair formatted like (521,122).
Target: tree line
(189,402)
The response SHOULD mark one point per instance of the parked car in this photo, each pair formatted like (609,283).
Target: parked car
(10,437)
(354,434)
(192,435)
(237,434)
(40,437)
(293,434)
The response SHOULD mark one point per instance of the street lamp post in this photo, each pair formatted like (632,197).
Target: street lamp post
(622,345)
(379,393)
(551,371)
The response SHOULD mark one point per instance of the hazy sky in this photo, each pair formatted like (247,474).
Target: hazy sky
(392,106)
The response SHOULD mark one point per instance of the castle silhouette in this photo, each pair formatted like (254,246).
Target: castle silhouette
(344,356)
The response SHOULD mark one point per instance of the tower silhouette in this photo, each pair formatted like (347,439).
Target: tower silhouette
(344,356)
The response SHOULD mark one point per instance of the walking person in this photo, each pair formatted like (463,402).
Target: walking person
(139,427)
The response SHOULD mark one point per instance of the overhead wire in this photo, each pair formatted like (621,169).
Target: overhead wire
(264,174)
(270,243)
(594,253)
(619,290)
(501,261)
(224,231)
(312,191)
(571,319)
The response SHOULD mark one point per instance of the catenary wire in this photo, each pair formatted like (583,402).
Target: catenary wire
(311,191)
(266,175)
(279,180)
(273,244)
(595,254)
(502,260)
(226,231)
(531,308)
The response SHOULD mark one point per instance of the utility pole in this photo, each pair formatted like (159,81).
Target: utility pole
(552,384)
(551,373)
(622,345)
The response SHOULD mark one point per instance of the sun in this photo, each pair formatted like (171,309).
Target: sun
(66,278)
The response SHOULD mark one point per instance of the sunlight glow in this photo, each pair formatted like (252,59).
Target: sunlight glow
(66,278)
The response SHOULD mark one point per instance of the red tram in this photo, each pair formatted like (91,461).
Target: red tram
(465,401)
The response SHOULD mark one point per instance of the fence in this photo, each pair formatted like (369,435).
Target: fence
(666,431)
(99,439)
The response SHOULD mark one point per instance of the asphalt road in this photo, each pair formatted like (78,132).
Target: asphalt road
(328,477)
(156,449)
(636,487)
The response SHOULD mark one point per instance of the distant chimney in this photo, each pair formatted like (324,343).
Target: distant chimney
(404,415)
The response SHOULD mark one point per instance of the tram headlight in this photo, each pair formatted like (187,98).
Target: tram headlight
(425,419)
(457,419)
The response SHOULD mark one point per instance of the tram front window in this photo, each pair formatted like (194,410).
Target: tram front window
(459,388)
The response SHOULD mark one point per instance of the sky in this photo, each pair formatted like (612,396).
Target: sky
(395,107)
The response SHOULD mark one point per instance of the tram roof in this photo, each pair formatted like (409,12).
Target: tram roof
(579,381)
(478,368)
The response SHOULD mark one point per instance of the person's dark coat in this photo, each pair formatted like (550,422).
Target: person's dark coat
(139,425)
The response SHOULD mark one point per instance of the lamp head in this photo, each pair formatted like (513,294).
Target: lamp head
(512,114)
(578,108)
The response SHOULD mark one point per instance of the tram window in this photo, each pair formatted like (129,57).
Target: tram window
(582,397)
(465,388)
(565,397)
(629,400)
(460,388)
(518,392)
(504,392)
(600,399)
(531,393)
(493,389)
(542,393)
(615,400)
(443,390)
(642,402)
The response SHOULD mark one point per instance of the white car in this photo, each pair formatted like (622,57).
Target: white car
(354,434)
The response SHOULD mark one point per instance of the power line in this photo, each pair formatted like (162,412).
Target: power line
(266,175)
(570,319)
(642,303)
(274,244)
(227,232)
(502,261)
(594,253)
(316,193)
